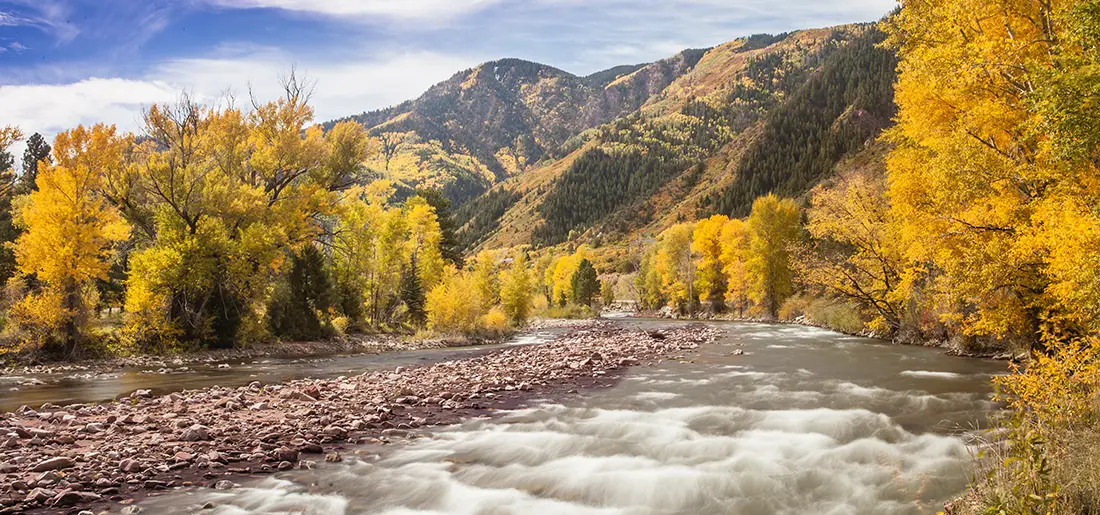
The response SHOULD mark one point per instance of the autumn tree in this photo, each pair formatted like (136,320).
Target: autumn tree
(370,245)
(221,197)
(855,252)
(993,178)
(560,275)
(454,305)
(734,243)
(485,270)
(773,228)
(425,240)
(647,282)
(675,267)
(517,289)
(710,279)
(70,232)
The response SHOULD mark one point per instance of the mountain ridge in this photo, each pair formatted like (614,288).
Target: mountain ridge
(533,154)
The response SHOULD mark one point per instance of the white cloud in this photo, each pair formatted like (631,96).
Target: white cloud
(48,108)
(367,10)
(342,88)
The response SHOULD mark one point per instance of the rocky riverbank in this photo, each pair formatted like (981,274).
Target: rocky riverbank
(88,457)
(351,344)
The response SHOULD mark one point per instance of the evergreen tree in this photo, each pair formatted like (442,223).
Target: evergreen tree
(586,283)
(37,150)
(449,246)
(308,293)
(6,164)
(412,294)
(8,231)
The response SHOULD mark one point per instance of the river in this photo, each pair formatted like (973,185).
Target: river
(805,421)
(96,386)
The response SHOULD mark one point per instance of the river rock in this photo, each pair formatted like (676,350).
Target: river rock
(196,433)
(285,454)
(39,496)
(58,463)
(130,465)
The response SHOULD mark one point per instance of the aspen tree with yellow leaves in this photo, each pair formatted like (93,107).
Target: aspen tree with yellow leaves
(996,157)
(855,252)
(70,232)
(773,229)
(711,281)
(517,289)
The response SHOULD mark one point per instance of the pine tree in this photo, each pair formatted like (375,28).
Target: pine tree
(412,294)
(298,311)
(37,151)
(586,283)
(448,245)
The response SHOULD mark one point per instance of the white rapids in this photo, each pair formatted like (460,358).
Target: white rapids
(810,425)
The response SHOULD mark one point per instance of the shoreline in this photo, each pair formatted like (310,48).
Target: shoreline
(351,344)
(947,346)
(61,460)
(361,343)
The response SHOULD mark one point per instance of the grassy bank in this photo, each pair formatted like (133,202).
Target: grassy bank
(1043,456)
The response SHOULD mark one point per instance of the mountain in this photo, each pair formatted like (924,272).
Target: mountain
(758,114)
(535,155)
(500,118)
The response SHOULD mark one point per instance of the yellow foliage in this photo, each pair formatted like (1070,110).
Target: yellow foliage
(674,264)
(706,243)
(560,274)
(424,239)
(221,198)
(8,136)
(734,240)
(486,276)
(857,253)
(454,305)
(772,230)
(994,138)
(70,231)
(494,322)
(1056,389)
(517,290)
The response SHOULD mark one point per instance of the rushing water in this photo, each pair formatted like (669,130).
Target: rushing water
(96,386)
(806,421)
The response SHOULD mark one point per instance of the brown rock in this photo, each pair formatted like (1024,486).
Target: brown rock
(58,463)
(196,433)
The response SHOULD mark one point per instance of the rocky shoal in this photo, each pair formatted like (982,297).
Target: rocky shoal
(71,458)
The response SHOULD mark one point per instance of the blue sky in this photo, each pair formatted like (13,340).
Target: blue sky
(65,62)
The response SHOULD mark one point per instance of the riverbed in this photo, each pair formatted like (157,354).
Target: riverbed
(770,419)
(84,386)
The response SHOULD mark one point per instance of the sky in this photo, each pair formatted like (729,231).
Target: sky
(70,62)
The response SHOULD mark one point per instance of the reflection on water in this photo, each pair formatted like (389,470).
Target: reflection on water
(806,421)
(68,388)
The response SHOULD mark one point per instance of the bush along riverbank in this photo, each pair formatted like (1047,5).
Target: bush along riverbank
(67,458)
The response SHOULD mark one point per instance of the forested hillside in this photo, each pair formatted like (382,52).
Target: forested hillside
(501,118)
(758,114)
